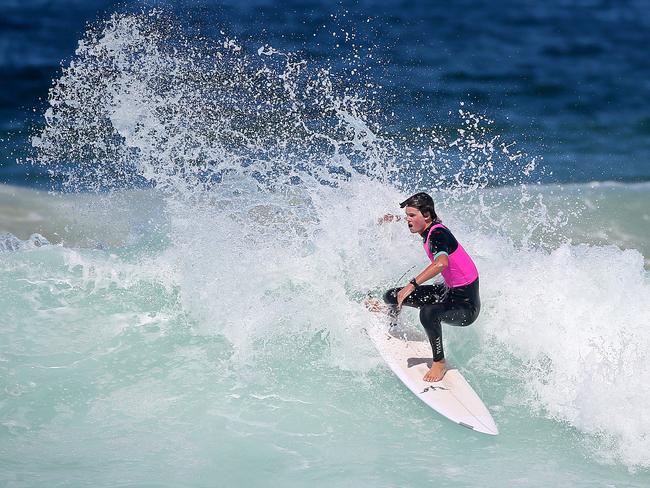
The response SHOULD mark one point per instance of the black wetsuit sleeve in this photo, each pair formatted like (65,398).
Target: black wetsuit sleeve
(442,241)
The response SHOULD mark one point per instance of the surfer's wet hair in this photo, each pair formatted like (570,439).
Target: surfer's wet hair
(424,203)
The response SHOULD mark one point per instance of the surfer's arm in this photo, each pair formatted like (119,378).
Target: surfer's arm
(435,268)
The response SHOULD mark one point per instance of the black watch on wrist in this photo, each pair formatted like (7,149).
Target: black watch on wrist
(414,283)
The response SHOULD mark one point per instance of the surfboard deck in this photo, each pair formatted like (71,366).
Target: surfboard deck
(452,397)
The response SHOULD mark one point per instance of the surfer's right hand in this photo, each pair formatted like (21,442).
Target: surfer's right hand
(388,218)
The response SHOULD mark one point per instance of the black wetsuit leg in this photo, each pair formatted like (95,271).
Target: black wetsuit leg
(455,306)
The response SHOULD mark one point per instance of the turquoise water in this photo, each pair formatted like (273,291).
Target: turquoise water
(186,363)
(188,312)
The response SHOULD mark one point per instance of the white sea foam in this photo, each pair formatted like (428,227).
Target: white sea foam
(9,242)
(578,317)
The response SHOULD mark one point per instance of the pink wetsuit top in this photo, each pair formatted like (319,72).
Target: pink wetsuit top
(461,270)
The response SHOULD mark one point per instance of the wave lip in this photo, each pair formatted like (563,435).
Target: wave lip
(11,243)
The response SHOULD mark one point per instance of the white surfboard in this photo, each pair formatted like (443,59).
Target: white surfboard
(452,396)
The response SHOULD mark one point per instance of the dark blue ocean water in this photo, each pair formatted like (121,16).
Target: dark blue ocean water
(569,81)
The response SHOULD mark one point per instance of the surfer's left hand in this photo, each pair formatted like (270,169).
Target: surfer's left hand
(403,293)
(375,305)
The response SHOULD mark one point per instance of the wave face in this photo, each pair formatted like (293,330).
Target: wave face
(227,325)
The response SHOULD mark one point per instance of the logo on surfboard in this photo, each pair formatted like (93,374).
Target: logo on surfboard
(434,388)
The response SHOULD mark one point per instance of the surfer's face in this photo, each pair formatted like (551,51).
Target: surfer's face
(416,221)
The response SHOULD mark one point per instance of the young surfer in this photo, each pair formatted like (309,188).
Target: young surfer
(455,302)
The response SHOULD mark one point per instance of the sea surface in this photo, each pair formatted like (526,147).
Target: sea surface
(189,205)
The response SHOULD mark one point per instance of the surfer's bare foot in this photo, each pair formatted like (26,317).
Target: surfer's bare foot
(437,371)
(375,305)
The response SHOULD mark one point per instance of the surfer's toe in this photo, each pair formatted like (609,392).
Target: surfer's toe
(436,373)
